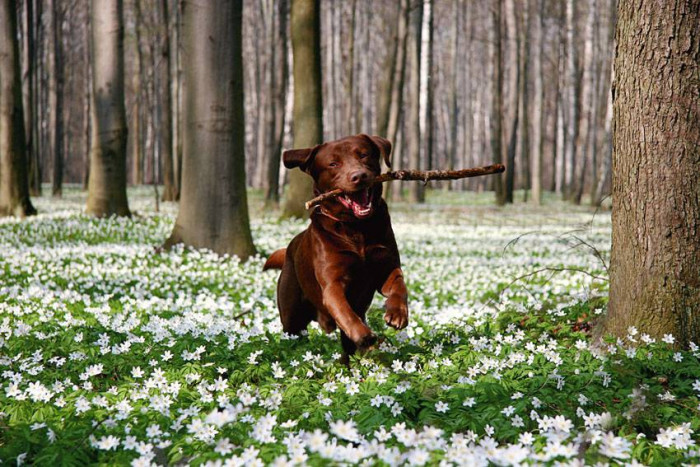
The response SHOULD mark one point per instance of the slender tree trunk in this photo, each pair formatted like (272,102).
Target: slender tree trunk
(213,204)
(166,117)
(307,128)
(454,108)
(514,95)
(525,103)
(14,184)
(497,99)
(29,92)
(428,161)
(349,73)
(416,192)
(87,105)
(537,102)
(107,183)
(386,85)
(572,100)
(393,190)
(587,117)
(279,93)
(602,189)
(58,72)
(654,280)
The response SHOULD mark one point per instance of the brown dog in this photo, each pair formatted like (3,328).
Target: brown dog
(331,270)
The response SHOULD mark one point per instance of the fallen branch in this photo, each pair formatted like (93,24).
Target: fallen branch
(417,175)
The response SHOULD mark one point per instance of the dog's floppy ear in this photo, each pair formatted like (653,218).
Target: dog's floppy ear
(299,157)
(384,147)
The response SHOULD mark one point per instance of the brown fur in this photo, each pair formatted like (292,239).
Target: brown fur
(331,270)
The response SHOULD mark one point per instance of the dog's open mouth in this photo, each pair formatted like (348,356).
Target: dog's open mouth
(360,202)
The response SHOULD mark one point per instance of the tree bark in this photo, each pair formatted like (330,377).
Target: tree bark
(14,184)
(166,106)
(572,100)
(537,102)
(497,98)
(278,88)
(57,111)
(654,280)
(213,203)
(514,95)
(307,119)
(587,118)
(107,182)
(416,192)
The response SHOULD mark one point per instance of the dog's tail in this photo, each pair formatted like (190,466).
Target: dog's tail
(276,260)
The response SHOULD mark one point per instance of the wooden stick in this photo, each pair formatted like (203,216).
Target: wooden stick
(417,175)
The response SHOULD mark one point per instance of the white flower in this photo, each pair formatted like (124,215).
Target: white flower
(669,339)
(345,430)
(441,407)
(615,447)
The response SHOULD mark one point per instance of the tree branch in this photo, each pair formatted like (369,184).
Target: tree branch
(417,175)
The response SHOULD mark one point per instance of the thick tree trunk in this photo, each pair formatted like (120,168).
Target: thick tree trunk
(213,203)
(307,120)
(497,99)
(654,280)
(14,184)
(416,191)
(166,109)
(279,100)
(107,182)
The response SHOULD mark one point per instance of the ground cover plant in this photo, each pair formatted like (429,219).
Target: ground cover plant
(114,353)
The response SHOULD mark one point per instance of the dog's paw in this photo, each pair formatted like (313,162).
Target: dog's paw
(366,341)
(396,315)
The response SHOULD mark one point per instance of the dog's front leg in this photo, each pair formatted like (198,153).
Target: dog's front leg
(394,289)
(336,303)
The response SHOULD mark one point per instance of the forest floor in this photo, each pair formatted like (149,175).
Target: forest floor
(111,353)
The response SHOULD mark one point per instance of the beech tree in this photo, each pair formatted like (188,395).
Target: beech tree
(107,180)
(654,280)
(14,182)
(213,203)
(307,118)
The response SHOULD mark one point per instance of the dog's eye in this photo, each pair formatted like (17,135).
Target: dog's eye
(362,156)
(333,164)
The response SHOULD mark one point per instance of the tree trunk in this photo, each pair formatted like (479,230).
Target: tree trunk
(514,61)
(386,85)
(29,92)
(524,92)
(497,99)
(213,203)
(107,182)
(537,102)
(416,191)
(307,119)
(572,100)
(166,117)
(587,117)
(349,72)
(427,161)
(602,189)
(654,280)
(278,90)
(14,184)
(57,111)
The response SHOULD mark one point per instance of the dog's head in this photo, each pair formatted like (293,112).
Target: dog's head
(349,164)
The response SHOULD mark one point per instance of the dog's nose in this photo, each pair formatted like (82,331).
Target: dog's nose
(359,176)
